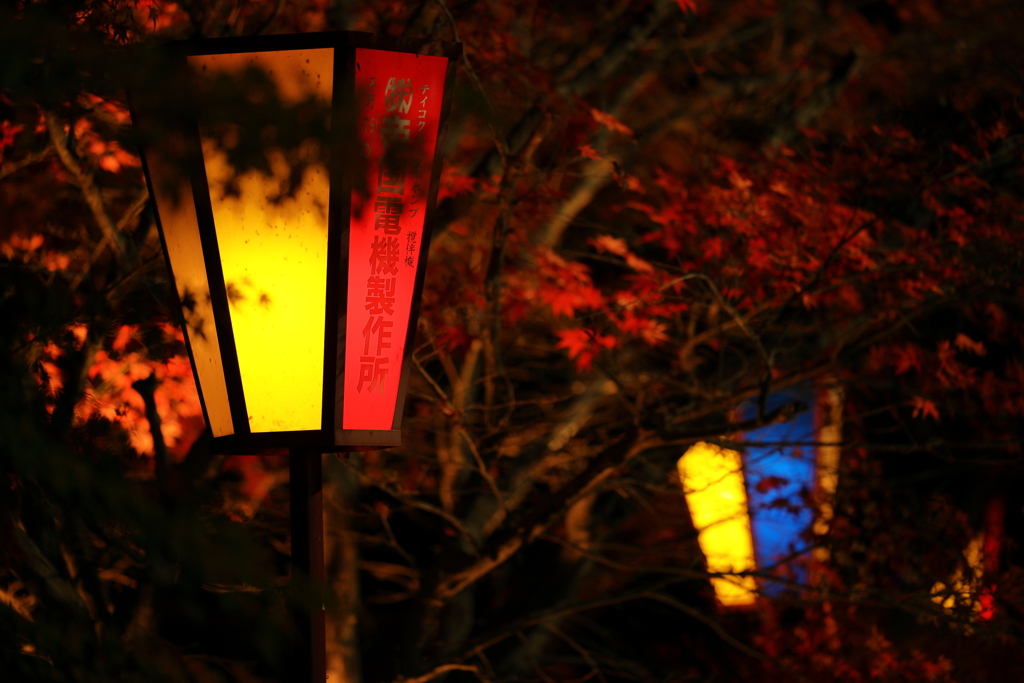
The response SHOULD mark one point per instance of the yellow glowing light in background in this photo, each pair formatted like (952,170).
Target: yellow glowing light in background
(830,435)
(961,588)
(712,480)
(274,253)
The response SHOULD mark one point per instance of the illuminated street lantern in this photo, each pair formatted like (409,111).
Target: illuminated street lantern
(294,179)
(294,202)
(750,510)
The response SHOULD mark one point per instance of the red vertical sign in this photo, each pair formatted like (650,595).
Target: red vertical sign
(398,120)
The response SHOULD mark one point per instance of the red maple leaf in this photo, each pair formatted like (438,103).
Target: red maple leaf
(610,122)
(590,153)
(925,408)
(965,343)
(584,345)
(688,6)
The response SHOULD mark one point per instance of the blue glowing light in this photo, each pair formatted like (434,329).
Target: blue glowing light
(779,473)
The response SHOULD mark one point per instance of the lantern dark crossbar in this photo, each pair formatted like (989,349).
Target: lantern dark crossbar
(299,318)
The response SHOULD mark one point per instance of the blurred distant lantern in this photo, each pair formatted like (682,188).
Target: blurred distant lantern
(294,178)
(753,511)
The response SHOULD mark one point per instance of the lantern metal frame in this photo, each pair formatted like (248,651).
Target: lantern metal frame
(331,437)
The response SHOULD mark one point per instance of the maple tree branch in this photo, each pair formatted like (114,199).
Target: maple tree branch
(130,214)
(629,39)
(482,469)
(423,21)
(710,407)
(559,612)
(733,313)
(580,411)
(13,166)
(491,332)
(446,362)
(499,141)
(727,33)
(464,379)
(85,183)
(520,489)
(433,384)
(583,82)
(595,669)
(766,378)
(612,564)
(596,175)
(501,547)
(783,413)
(38,563)
(1000,156)
(278,6)
(413,502)
(527,654)
(450,456)
(146,388)
(76,373)
(443,669)
(133,211)
(599,172)
(818,103)
(722,633)
(194,17)
(502,225)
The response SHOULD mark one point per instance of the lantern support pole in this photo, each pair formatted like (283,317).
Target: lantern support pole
(307,527)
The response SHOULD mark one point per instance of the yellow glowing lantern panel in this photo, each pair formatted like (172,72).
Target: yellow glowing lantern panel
(172,193)
(712,480)
(273,244)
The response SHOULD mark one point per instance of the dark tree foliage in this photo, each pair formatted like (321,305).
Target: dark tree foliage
(654,217)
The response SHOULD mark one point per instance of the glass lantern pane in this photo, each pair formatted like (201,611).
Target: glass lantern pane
(713,484)
(265,146)
(172,193)
(780,466)
(399,111)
